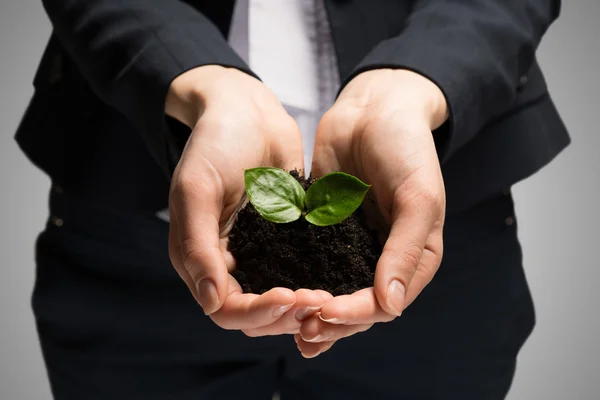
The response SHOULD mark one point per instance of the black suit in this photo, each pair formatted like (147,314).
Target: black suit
(503,124)
(100,93)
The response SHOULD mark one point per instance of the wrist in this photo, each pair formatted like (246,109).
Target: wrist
(401,89)
(433,99)
(186,97)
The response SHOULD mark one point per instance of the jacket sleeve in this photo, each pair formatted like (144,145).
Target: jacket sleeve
(129,51)
(477,51)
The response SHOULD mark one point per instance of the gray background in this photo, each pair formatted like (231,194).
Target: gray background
(557,209)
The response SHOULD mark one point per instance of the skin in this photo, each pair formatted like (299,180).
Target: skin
(379,129)
(237,123)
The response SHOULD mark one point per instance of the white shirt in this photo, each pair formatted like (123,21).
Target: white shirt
(288,44)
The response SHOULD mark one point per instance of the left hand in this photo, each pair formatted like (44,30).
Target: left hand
(380,130)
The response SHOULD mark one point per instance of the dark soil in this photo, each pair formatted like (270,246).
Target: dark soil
(340,259)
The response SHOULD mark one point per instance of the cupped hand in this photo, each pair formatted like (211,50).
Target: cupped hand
(237,123)
(380,130)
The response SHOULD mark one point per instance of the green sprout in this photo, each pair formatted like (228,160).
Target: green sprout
(279,198)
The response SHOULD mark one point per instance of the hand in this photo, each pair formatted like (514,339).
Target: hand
(380,130)
(237,123)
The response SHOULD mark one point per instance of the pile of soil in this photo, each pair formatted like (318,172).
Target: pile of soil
(340,258)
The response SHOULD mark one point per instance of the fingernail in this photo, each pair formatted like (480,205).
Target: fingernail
(279,311)
(313,356)
(332,320)
(316,339)
(395,297)
(302,313)
(207,295)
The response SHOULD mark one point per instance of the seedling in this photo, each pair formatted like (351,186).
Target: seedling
(279,198)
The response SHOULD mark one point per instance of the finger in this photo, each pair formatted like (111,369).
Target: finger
(332,150)
(324,155)
(196,203)
(227,256)
(325,296)
(360,307)
(401,255)
(286,150)
(250,311)
(428,266)
(175,256)
(324,161)
(315,330)
(308,303)
(311,350)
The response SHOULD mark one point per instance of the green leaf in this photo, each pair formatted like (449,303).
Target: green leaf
(333,198)
(274,193)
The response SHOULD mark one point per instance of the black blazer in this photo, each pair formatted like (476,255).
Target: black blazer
(101,86)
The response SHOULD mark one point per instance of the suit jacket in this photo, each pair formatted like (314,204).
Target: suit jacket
(96,123)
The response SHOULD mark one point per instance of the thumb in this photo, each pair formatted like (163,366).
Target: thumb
(401,256)
(195,203)
(287,150)
(325,159)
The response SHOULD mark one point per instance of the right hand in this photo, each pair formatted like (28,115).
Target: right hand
(237,123)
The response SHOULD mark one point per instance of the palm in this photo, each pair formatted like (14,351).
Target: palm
(216,148)
(396,160)
(207,190)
